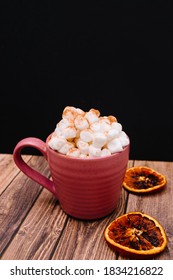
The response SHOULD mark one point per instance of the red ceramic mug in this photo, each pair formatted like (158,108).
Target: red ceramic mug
(86,188)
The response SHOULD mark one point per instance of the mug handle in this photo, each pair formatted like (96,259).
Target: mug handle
(25,168)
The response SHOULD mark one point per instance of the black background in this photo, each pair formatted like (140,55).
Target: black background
(114,56)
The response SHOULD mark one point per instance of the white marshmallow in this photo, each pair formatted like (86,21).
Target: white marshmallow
(69,132)
(73,152)
(96,126)
(117,126)
(105,152)
(56,142)
(94,152)
(82,146)
(86,135)
(65,148)
(81,122)
(99,140)
(83,156)
(58,131)
(115,146)
(64,123)
(124,139)
(112,133)
(92,115)
(104,126)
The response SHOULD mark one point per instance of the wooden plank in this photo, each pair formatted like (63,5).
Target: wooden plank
(40,231)
(8,170)
(159,204)
(85,239)
(17,200)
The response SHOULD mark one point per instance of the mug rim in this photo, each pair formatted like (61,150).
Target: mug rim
(85,159)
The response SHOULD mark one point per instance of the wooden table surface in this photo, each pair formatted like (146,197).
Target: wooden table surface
(34,227)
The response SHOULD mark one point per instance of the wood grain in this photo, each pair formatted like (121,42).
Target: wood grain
(39,232)
(17,200)
(8,170)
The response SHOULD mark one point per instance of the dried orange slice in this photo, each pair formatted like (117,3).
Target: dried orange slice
(141,179)
(136,235)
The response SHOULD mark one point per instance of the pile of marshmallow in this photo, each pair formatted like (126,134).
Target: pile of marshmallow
(87,134)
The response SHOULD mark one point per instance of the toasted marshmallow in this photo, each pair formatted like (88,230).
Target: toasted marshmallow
(104,119)
(115,146)
(69,112)
(82,146)
(112,119)
(81,122)
(69,132)
(66,147)
(77,134)
(73,152)
(102,125)
(99,140)
(86,135)
(80,111)
(56,142)
(64,123)
(92,115)
(94,152)
(105,152)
